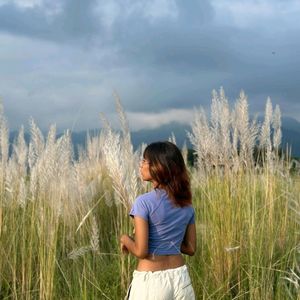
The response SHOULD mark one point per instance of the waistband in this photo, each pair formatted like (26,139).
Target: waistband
(172,272)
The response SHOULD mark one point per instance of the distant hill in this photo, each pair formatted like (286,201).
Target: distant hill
(291,138)
(162,133)
(290,132)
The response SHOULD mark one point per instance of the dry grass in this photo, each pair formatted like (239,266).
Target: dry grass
(60,218)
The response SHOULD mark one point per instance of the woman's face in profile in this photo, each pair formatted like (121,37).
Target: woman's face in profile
(144,170)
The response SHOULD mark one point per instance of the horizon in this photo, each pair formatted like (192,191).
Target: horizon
(290,137)
(115,124)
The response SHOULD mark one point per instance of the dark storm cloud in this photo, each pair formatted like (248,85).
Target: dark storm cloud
(168,55)
(81,19)
(75,21)
(166,42)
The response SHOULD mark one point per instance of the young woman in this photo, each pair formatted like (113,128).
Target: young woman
(164,222)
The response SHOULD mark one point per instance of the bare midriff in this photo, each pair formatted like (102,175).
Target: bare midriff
(160,262)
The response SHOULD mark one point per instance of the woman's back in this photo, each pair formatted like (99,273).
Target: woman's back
(167,222)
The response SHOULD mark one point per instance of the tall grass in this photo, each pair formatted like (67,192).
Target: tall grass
(246,235)
(61,218)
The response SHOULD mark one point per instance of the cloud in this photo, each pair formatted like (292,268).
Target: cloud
(63,22)
(22,3)
(257,14)
(158,55)
(141,120)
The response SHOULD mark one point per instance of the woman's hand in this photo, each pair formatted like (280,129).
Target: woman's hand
(124,249)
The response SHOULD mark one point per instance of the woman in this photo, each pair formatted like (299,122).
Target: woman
(164,222)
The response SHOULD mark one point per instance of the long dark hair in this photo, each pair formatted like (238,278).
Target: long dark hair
(167,168)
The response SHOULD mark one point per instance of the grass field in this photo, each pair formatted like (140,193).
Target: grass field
(60,218)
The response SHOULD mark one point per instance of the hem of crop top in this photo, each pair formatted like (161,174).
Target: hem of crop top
(163,253)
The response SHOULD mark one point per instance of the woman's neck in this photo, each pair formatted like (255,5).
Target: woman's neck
(155,184)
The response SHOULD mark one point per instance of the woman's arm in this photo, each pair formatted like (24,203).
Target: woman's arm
(139,245)
(188,245)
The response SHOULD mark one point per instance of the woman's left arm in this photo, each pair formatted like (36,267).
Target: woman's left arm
(139,245)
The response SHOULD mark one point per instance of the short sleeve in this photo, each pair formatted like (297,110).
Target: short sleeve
(139,209)
(192,219)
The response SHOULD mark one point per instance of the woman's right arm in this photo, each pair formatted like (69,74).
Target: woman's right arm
(139,245)
(188,245)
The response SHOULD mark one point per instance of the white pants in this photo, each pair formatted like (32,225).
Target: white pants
(171,284)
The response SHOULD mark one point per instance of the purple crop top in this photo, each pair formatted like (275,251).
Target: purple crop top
(167,223)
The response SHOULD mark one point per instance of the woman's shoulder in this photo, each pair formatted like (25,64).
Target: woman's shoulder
(191,208)
(150,198)
(147,196)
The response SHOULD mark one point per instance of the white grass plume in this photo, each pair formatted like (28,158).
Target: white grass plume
(79,252)
(200,138)
(4,141)
(124,126)
(121,161)
(224,121)
(172,138)
(228,139)
(22,197)
(36,145)
(265,134)
(20,151)
(184,152)
(276,124)
(244,133)
(130,158)
(94,243)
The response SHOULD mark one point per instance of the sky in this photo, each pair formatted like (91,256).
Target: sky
(62,61)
